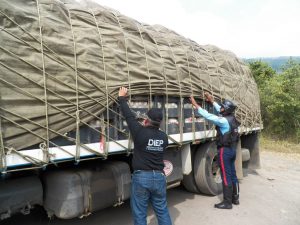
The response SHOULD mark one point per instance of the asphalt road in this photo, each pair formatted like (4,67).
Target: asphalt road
(269,196)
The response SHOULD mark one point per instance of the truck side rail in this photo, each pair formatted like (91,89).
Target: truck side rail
(18,160)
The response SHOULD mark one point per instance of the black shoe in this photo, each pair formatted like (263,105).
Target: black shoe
(227,199)
(223,205)
(235,200)
(235,194)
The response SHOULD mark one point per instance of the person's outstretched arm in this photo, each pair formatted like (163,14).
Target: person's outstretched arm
(218,121)
(132,123)
(210,99)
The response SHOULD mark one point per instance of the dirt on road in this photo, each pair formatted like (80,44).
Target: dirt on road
(269,196)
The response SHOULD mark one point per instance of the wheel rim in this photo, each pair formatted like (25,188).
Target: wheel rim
(216,170)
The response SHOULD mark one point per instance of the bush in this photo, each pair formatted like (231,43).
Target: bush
(280,99)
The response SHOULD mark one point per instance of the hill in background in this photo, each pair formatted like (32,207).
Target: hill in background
(275,62)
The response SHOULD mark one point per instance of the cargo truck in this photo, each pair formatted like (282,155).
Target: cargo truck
(64,144)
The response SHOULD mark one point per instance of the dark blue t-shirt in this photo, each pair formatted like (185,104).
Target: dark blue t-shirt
(149,142)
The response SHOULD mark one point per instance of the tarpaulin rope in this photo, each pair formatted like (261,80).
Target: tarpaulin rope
(192,88)
(77,155)
(126,55)
(215,74)
(30,159)
(3,166)
(165,80)
(105,79)
(201,85)
(238,90)
(180,92)
(130,142)
(46,158)
(147,67)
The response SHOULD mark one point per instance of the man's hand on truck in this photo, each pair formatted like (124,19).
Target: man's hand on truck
(209,97)
(123,91)
(193,102)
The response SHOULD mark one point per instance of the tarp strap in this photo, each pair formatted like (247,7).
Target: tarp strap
(43,147)
(105,79)
(192,90)
(126,55)
(166,84)
(46,157)
(77,155)
(129,148)
(211,90)
(176,142)
(201,85)
(243,97)
(180,92)
(150,105)
(27,158)
(3,166)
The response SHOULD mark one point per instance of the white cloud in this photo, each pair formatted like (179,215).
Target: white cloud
(248,28)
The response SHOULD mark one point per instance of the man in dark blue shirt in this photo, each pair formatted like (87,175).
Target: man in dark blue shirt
(148,179)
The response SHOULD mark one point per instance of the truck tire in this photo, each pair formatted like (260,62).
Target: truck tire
(245,154)
(190,184)
(189,180)
(206,170)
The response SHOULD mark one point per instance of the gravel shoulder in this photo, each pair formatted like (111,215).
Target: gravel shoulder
(270,195)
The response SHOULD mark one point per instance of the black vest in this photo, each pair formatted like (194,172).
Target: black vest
(230,138)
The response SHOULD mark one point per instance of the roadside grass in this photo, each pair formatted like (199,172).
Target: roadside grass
(270,145)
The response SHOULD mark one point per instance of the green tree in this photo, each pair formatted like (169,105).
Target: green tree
(280,99)
(261,72)
(290,85)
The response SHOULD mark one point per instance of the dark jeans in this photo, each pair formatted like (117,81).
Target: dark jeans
(226,156)
(149,186)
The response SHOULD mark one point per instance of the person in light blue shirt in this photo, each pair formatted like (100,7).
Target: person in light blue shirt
(219,121)
(226,140)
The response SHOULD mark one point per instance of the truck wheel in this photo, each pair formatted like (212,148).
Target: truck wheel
(206,170)
(245,154)
(190,184)
(189,180)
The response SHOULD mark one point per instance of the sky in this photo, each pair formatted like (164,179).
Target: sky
(249,28)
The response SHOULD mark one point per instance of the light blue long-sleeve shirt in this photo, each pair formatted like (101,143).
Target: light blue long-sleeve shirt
(216,120)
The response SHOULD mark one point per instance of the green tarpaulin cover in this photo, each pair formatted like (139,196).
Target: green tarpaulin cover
(61,57)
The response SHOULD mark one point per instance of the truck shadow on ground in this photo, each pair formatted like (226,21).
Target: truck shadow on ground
(111,216)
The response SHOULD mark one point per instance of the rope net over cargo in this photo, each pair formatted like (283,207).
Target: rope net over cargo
(62,63)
